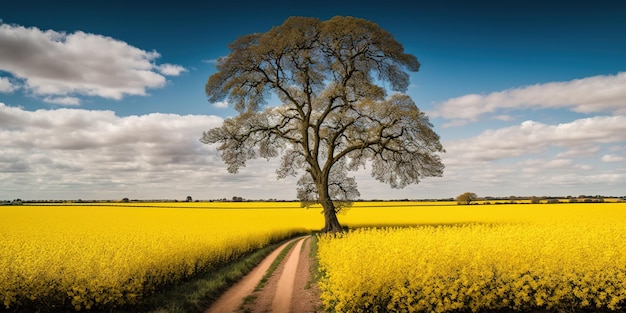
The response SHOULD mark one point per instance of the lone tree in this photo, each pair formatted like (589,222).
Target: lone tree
(466,198)
(334,115)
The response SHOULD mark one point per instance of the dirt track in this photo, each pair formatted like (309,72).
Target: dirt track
(286,291)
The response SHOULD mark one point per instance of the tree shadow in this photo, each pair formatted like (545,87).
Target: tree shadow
(418,225)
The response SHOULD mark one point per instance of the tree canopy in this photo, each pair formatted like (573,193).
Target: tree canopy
(334,115)
(466,198)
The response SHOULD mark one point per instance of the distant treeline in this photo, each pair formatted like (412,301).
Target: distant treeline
(511,199)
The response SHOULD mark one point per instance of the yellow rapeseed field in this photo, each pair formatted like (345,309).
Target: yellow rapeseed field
(471,257)
(509,257)
(109,255)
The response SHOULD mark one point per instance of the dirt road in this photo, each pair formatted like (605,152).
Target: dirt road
(286,291)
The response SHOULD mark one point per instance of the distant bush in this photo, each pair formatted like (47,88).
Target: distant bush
(466,198)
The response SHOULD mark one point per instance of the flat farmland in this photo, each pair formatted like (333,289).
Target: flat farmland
(109,255)
(425,256)
(515,257)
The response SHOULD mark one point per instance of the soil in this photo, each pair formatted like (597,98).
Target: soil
(289,289)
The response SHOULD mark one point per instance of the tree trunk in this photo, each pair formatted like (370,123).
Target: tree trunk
(331,223)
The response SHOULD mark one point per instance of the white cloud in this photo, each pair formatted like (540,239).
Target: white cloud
(603,93)
(6,85)
(536,166)
(73,153)
(221,104)
(579,151)
(554,163)
(534,158)
(612,158)
(62,100)
(171,69)
(532,137)
(55,63)
(96,154)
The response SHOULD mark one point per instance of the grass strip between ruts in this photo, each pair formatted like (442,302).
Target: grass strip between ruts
(274,265)
(270,271)
(198,294)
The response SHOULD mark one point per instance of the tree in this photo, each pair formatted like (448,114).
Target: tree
(334,115)
(466,198)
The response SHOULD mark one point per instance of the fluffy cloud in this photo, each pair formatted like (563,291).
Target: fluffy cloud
(48,153)
(603,93)
(6,85)
(612,158)
(532,137)
(57,64)
(62,100)
(74,153)
(221,104)
(171,69)
(534,158)
(160,138)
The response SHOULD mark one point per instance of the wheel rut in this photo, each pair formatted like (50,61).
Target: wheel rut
(284,290)
(287,290)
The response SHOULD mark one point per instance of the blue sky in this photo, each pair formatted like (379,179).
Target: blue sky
(105,99)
